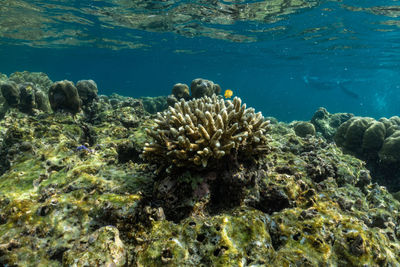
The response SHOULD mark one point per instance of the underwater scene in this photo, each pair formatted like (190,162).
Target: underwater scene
(200,133)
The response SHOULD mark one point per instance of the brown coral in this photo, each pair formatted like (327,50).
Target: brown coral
(193,133)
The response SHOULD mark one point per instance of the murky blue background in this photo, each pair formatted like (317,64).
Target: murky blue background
(328,55)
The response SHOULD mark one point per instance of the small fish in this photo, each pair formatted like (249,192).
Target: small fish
(228,93)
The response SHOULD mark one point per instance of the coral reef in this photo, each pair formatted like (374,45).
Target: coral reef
(10,92)
(202,87)
(327,124)
(303,128)
(3,77)
(73,191)
(389,154)
(199,88)
(154,104)
(309,204)
(32,98)
(102,248)
(39,79)
(26,97)
(63,95)
(181,90)
(204,130)
(87,90)
(57,202)
(376,142)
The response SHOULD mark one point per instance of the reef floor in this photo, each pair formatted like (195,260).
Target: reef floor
(75,191)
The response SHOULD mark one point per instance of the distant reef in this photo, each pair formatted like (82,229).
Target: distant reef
(94,180)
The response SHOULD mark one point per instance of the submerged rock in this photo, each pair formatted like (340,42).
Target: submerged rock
(10,92)
(102,248)
(75,191)
(377,143)
(154,104)
(63,95)
(327,124)
(39,79)
(87,90)
(390,152)
(32,98)
(202,87)
(25,96)
(181,90)
(304,128)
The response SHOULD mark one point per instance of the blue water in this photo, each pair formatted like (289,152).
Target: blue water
(342,55)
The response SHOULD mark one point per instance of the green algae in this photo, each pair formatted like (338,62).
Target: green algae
(224,240)
(309,205)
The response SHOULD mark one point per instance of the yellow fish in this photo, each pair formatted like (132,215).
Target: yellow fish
(228,93)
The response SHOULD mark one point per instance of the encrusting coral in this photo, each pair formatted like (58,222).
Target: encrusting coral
(193,133)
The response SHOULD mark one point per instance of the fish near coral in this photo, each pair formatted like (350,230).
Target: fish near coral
(228,93)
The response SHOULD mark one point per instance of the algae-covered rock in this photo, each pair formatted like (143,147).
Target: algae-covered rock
(181,90)
(202,87)
(351,133)
(373,137)
(63,95)
(390,152)
(304,128)
(376,142)
(73,191)
(10,92)
(154,104)
(240,237)
(87,90)
(102,248)
(25,96)
(3,77)
(32,98)
(39,79)
(327,124)
(55,192)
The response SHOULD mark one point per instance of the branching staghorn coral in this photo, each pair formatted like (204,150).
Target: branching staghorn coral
(193,133)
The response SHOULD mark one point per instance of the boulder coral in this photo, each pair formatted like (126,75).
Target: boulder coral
(390,152)
(26,97)
(63,95)
(350,134)
(197,132)
(32,97)
(40,79)
(10,92)
(181,90)
(303,129)
(365,137)
(87,90)
(376,142)
(326,124)
(202,87)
